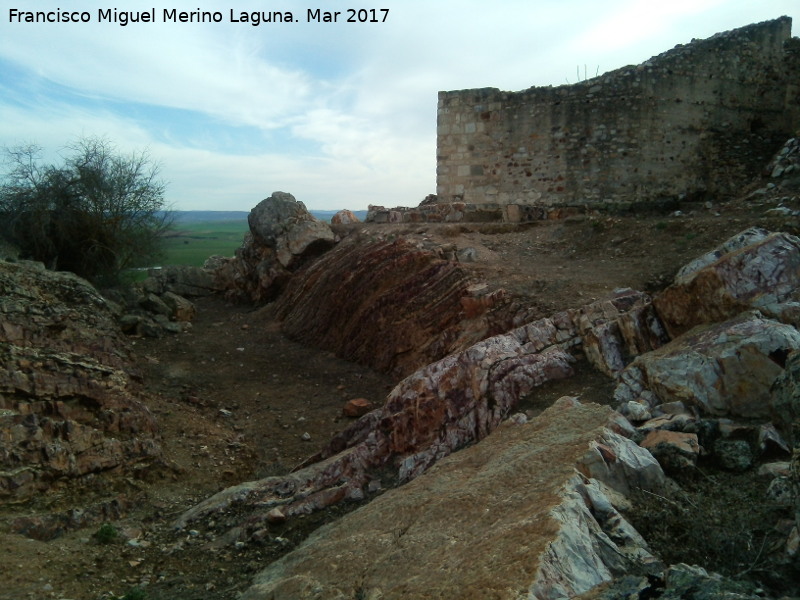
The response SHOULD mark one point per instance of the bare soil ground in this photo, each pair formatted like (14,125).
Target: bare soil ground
(234,399)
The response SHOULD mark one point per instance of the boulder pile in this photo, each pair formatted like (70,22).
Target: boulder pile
(160,304)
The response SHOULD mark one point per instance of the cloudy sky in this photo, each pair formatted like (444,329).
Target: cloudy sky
(341,115)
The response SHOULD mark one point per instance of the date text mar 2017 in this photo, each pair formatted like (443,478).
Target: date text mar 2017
(352,15)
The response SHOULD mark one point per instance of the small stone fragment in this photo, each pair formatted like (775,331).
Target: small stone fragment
(774,469)
(733,455)
(276,516)
(674,450)
(357,407)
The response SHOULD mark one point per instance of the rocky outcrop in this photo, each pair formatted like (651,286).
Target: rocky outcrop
(404,308)
(753,270)
(785,165)
(734,312)
(517,514)
(441,408)
(722,369)
(282,223)
(464,396)
(398,304)
(66,405)
(396,307)
(283,236)
(390,305)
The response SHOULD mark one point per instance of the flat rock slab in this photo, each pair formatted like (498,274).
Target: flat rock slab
(509,517)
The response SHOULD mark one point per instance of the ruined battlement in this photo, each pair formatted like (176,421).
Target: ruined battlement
(700,120)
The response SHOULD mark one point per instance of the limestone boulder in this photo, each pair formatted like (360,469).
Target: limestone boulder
(509,517)
(754,270)
(345,217)
(282,223)
(724,369)
(283,237)
(464,396)
(67,408)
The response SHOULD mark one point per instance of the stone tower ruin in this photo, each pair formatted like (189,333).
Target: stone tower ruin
(699,121)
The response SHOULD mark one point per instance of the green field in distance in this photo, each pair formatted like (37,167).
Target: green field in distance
(192,243)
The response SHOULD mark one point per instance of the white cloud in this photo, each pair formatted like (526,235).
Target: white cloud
(213,70)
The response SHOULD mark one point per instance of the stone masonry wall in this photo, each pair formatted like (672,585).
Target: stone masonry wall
(701,119)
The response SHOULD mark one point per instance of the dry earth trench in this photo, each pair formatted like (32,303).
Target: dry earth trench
(236,399)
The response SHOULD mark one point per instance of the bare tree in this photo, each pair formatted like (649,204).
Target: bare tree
(98,214)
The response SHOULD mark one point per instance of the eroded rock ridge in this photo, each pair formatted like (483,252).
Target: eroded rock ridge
(67,406)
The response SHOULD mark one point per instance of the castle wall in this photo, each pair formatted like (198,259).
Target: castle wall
(701,119)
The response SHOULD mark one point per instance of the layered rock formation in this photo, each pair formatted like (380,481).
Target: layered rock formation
(464,396)
(443,407)
(66,405)
(753,270)
(390,304)
(523,513)
(679,394)
(396,306)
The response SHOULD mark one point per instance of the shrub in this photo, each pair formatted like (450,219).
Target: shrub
(97,214)
(134,594)
(106,534)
